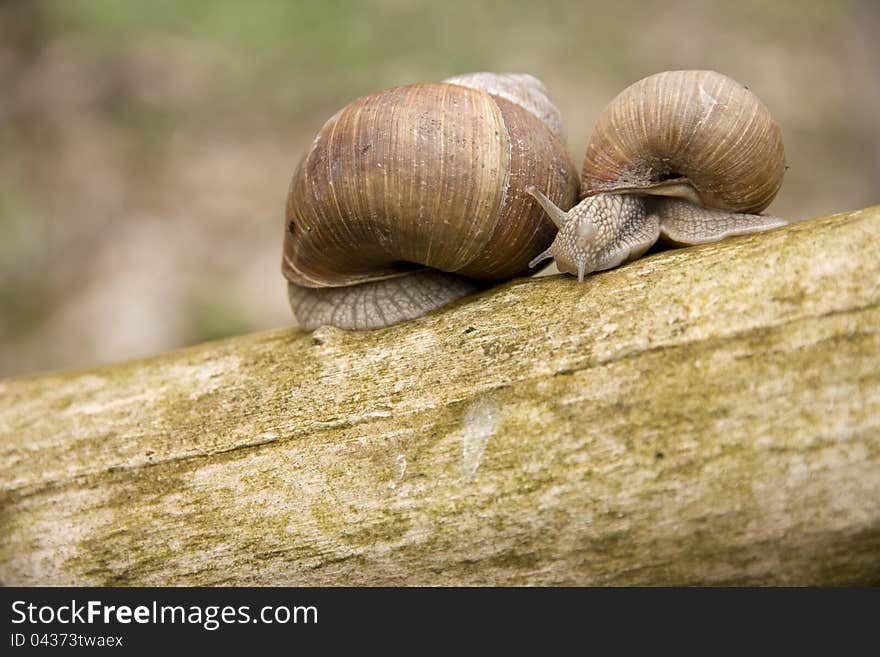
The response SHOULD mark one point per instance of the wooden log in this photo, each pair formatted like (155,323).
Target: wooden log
(707,415)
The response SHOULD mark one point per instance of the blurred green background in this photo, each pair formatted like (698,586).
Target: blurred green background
(146,147)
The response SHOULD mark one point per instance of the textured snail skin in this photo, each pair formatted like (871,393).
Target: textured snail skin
(608,230)
(377,303)
(686,156)
(413,197)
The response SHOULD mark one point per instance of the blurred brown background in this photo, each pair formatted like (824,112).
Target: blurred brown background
(146,147)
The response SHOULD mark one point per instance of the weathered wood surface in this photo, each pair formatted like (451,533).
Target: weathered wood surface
(702,416)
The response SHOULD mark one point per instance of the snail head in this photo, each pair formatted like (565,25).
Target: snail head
(579,245)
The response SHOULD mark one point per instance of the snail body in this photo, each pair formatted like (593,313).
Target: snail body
(686,156)
(414,197)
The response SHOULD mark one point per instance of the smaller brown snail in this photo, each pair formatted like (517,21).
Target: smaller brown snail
(686,156)
(411,198)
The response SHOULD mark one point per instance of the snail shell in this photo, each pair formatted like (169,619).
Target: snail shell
(698,128)
(525,90)
(687,156)
(401,186)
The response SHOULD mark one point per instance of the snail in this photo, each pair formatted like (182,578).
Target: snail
(687,156)
(414,197)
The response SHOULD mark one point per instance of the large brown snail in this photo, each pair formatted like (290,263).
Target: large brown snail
(687,156)
(414,197)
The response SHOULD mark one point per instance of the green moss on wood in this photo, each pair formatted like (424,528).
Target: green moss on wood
(706,415)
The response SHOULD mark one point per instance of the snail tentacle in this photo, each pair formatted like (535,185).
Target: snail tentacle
(556,214)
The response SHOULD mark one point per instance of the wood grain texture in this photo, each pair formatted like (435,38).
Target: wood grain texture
(708,415)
